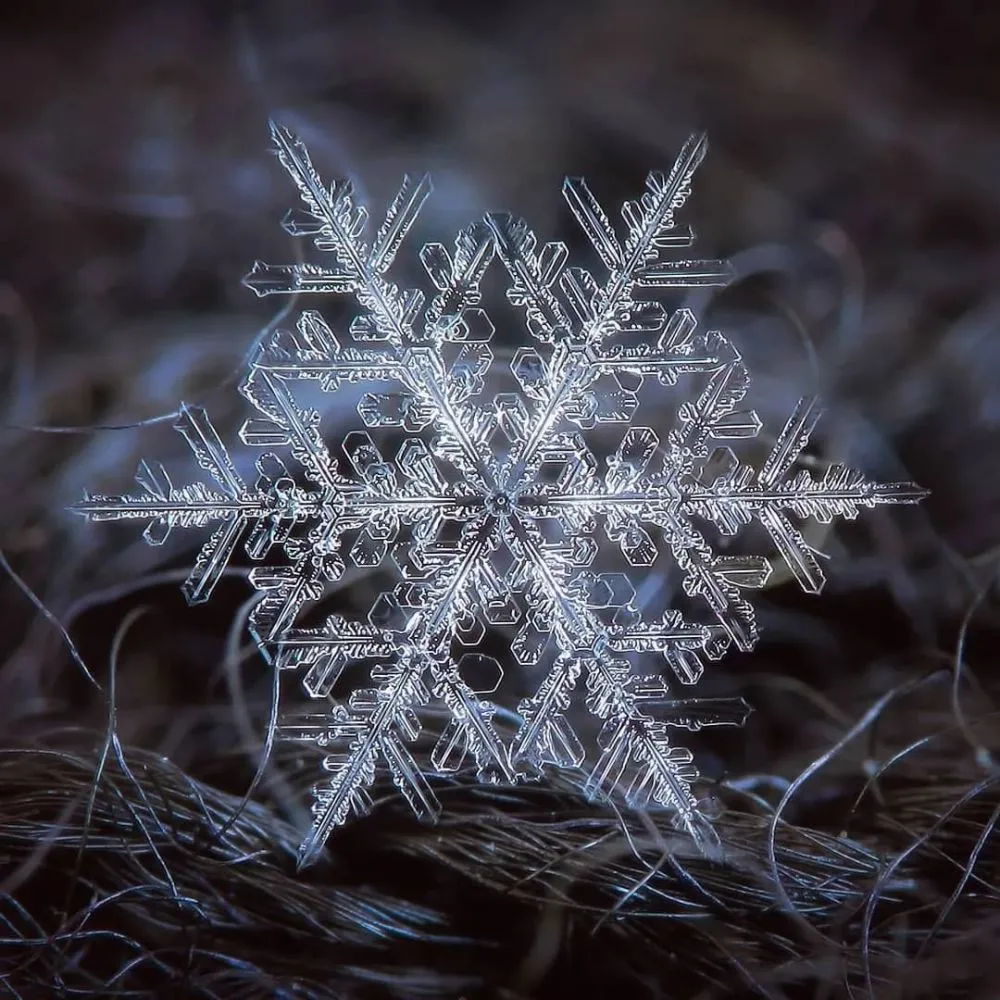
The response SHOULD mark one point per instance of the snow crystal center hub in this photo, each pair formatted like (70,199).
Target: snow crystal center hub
(500,504)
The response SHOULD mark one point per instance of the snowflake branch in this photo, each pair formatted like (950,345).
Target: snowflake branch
(667,773)
(337,224)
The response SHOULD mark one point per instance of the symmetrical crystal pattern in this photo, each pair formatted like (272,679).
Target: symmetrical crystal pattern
(490,508)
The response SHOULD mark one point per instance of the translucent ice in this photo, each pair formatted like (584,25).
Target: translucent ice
(490,507)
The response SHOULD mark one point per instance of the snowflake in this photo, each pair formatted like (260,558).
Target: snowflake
(493,507)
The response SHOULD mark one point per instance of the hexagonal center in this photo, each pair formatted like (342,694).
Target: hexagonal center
(499,504)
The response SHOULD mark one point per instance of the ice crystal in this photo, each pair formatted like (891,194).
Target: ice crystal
(492,507)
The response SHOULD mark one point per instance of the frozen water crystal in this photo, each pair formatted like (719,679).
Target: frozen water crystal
(490,507)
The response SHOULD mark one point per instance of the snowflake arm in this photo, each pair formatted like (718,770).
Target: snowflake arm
(611,309)
(629,736)
(194,506)
(337,225)
(378,722)
(332,217)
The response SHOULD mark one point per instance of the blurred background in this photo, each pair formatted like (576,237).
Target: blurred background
(852,178)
